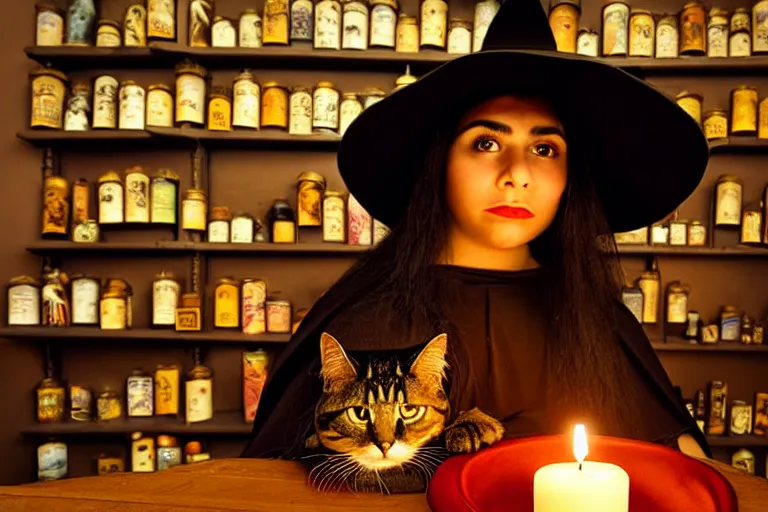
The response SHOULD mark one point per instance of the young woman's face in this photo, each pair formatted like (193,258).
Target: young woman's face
(506,172)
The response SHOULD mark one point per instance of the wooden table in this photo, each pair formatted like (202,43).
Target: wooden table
(245,485)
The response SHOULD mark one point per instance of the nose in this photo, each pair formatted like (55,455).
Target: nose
(516,173)
(384,447)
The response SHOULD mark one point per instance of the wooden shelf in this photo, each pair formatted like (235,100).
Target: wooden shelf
(267,138)
(739,145)
(748,441)
(302,56)
(723,346)
(44,247)
(79,333)
(704,252)
(98,140)
(223,423)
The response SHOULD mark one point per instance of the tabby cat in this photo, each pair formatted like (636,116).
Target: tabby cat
(381,426)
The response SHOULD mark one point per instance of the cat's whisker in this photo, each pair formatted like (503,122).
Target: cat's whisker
(421,469)
(346,474)
(321,467)
(430,457)
(338,471)
(331,471)
(381,482)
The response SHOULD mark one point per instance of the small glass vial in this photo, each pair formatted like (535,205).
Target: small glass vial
(278,316)
(588,43)
(349,110)
(691,103)
(194,211)
(249,32)
(161,20)
(164,197)
(108,34)
(51,401)
(136,195)
(383,23)
(485,11)
(220,110)
(282,223)
(247,100)
(190,94)
(111,198)
(615,29)
(642,32)
(242,229)
(407,34)
(274,106)
(697,234)
(275,27)
(199,394)
(310,190)
(728,201)
(300,109)
(85,300)
(744,101)
(328,25)
(159,106)
(334,217)
(105,90)
(325,109)
(166,291)
(459,37)
(218,226)
(717,33)
(667,37)
(140,395)
(693,24)
(223,33)
(716,124)
(302,20)
(50,25)
(355,25)
(434,24)
(132,106)
(135,27)
(226,310)
(23,301)
(49,88)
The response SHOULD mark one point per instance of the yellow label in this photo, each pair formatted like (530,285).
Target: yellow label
(227,306)
(137,197)
(274,108)
(283,232)
(193,213)
(275,22)
(113,313)
(691,105)
(50,404)
(190,99)
(650,289)
(159,108)
(47,102)
(161,19)
(163,202)
(334,220)
(434,18)
(407,38)
(564,22)
(716,127)
(744,111)
(50,29)
(166,391)
(219,115)
(762,128)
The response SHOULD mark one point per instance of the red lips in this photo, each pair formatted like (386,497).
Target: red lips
(511,212)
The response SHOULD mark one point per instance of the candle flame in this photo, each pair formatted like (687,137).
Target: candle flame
(580,449)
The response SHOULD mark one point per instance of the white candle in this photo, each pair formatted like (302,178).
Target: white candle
(581,486)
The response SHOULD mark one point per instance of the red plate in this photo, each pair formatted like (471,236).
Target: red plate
(500,478)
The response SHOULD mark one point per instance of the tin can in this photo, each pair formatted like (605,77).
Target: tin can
(282,223)
(108,34)
(760,27)
(434,24)
(50,401)
(302,20)
(762,125)
(139,395)
(81,202)
(23,301)
(744,460)
(166,291)
(200,19)
(717,33)
(113,310)
(223,33)
(751,227)
(86,231)
(110,198)
(485,11)
(678,232)
(164,194)
(55,207)
(105,90)
(300,111)
(642,32)
(728,200)
(218,226)
(132,106)
(358,223)
(615,28)
(160,106)
(168,453)
(190,93)
(564,22)
(310,189)
(325,108)
(384,23)
(740,44)
(189,312)
(334,217)
(649,284)
(161,20)
(247,99)
(52,461)
(194,210)
(697,234)
(142,453)
(167,390)
(85,300)
(328,24)
(226,311)
(677,303)
(349,110)
(199,393)
(49,29)
(250,29)
(459,37)
(276,22)
(744,101)
(730,325)
(80,403)
(716,124)
(109,406)
(407,34)
(135,26)
(588,43)
(278,316)
(49,88)
(693,39)
(254,296)
(255,366)
(355,25)
(274,106)
(242,228)
(220,110)
(691,103)
(371,96)
(741,20)
(667,37)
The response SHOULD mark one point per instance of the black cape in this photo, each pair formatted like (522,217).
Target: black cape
(284,417)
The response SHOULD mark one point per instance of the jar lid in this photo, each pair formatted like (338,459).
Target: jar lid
(273,83)
(696,223)
(300,88)
(227,280)
(188,66)
(250,12)
(334,193)
(128,83)
(311,176)
(586,31)
(245,75)
(190,300)
(164,275)
(49,382)
(405,79)
(81,86)
(688,94)
(325,84)
(242,215)
(717,11)
(136,169)
(79,276)
(159,87)
(138,372)
(109,23)
(49,72)
(694,3)
(109,176)
(391,3)
(745,88)
(195,193)
(649,274)
(729,309)
(636,12)
(373,91)
(407,20)
(168,174)
(741,10)
(728,178)
(166,441)
(193,448)
(715,112)
(199,371)
(136,436)
(24,279)
(113,294)
(220,213)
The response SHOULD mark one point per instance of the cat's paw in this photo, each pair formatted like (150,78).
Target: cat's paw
(471,431)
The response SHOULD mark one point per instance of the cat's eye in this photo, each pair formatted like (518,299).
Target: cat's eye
(412,413)
(358,414)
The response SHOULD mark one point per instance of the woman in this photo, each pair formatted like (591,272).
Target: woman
(502,175)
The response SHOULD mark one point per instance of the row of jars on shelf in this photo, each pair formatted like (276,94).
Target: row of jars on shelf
(108,304)
(643,298)
(148,455)
(150,395)
(748,114)
(126,105)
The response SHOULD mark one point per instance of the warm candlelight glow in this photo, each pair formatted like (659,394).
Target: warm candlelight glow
(580,449)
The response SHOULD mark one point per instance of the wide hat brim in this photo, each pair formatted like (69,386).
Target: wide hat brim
(644,153)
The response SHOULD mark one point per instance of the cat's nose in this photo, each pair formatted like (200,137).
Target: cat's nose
(385,448)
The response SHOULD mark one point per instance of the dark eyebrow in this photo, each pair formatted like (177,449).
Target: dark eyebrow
(506,129)
(547,130)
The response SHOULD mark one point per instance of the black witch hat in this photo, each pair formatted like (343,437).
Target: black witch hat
(644,153)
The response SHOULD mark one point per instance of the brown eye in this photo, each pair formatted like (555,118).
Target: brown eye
(545,150)
(411,413)
(358,414)
(486,145)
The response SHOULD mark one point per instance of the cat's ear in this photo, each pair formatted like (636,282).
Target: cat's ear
(337,369)
(430,363)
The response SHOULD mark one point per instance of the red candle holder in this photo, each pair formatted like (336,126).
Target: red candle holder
(500,478)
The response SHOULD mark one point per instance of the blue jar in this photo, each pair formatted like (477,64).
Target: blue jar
(81,18)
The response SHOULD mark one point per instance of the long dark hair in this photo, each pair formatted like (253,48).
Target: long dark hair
(587,379)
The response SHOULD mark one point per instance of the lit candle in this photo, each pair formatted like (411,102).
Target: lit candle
(579,486)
